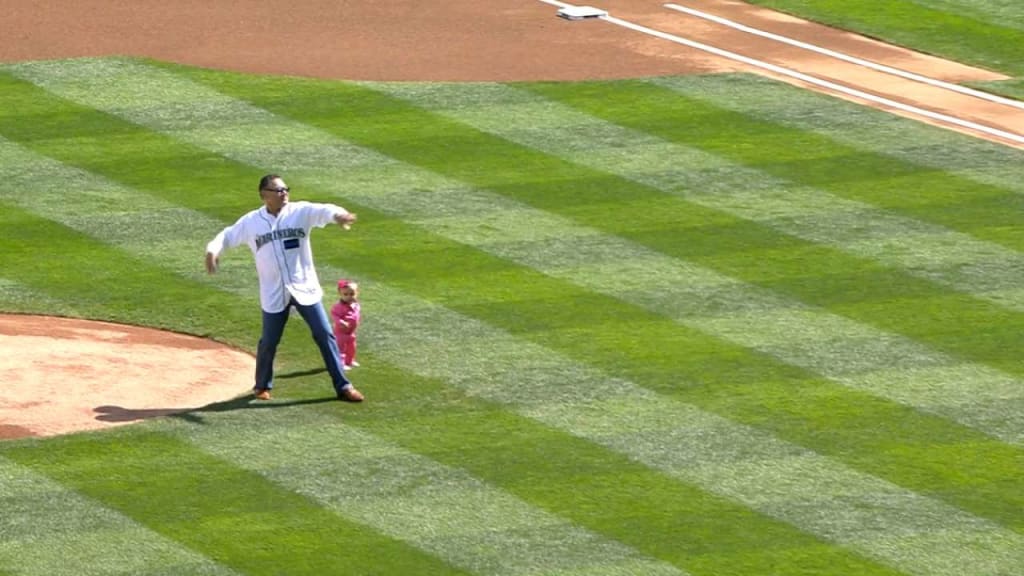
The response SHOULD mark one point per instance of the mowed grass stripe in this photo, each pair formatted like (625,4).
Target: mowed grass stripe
(970,160)
(114,214)
(217,509)
(824,343)
(439,509)
(954,259)
(190,113)
(888,298)
(782,540)
(181,175)
(47,529)
(973,498)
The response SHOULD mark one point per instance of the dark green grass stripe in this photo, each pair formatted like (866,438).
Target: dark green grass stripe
(601,490)
(864,128)
(234,517)
(135,157)
(802,157)
(619,338)
(45,523)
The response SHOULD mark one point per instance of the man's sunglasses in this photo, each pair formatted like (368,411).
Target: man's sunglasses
(278,190)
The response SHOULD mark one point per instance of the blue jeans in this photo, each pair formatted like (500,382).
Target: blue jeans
(273,328)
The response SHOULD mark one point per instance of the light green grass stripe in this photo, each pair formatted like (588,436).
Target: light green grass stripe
(558,247)
(442,510)
(929,251)
(118,215)
(858,126)
(48,530)
(850,353)
(190,112)
(782,480)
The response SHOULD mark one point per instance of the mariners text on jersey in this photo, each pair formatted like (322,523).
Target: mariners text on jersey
(289,272)
(279,234)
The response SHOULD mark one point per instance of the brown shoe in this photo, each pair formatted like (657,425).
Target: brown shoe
(350,394)
(261,393)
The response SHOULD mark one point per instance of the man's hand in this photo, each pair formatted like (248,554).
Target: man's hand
(345,220)
(211,263)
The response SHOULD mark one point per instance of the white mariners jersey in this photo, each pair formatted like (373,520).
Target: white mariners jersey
(280,246)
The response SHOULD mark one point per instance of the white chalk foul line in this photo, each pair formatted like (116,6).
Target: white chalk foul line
(893,104)
(557,3)
(846,57)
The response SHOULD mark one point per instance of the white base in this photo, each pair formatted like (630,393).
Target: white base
(580,12)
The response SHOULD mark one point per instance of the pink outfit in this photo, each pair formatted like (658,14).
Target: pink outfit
(349,312)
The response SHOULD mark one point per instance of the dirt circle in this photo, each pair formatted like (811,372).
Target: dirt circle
(63,375)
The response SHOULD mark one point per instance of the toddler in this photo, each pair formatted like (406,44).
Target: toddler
(345,319)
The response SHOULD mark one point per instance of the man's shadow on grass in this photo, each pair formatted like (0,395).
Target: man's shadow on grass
(121,414)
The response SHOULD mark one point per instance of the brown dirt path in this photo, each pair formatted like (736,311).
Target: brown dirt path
(60,375)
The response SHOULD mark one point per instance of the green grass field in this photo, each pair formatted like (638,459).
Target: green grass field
(641,327)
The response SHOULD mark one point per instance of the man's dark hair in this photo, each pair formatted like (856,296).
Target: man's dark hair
(265,181)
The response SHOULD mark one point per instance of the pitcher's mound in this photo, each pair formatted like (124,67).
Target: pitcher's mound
(60,375)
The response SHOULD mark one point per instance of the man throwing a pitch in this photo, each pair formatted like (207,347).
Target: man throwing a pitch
(278,235)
